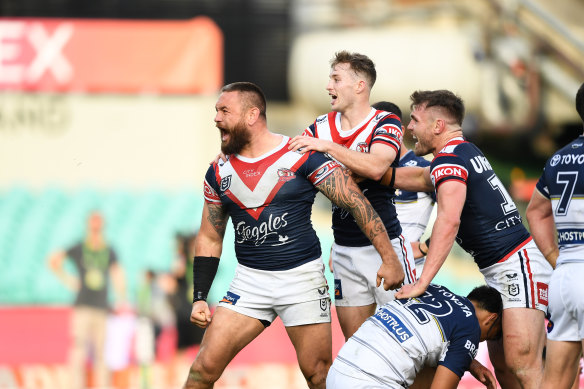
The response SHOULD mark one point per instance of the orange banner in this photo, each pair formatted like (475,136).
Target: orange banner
(111,55)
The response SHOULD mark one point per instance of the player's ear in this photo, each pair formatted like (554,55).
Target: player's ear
(253,115)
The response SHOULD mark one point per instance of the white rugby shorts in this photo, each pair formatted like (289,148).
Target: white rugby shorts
(522,278)
(355,273)
(566,309)
(299,295)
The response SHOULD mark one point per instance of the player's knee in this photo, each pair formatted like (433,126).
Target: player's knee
(316,374)
(203,372)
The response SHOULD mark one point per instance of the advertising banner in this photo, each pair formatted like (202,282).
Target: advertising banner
(111,56)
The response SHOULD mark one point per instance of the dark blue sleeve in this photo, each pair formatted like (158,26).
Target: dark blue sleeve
(461,351)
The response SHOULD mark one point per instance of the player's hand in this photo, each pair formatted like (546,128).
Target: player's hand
(482,374)
(410,290)
(302,144)
(392,275)
(201,315)
(219,156)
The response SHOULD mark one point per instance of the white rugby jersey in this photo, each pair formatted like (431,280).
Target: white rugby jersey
(562,182)
(392,346)
(378,127)
(270,199)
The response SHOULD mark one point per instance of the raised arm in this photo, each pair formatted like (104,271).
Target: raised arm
(371,165)
(208,247)
(412,178)
(450,203)
(340,188)
(540,217)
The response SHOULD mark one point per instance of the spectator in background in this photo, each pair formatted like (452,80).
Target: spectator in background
(556,218)
(413,208)
(96,263)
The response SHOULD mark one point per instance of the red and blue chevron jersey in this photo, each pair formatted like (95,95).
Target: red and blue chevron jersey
(490,225)
(378,127)
(270,199)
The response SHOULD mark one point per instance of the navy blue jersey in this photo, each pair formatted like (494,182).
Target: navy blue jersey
(405,196)
(490,225)
(562,182)
(270,199)
(378,127)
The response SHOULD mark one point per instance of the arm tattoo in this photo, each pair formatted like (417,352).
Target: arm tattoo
(218,218)
(340,188)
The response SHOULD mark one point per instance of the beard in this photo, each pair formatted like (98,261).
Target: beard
(239,137)
(421,149)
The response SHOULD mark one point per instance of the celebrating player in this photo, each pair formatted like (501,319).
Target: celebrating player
(413,208)
(475,209)
(366,141)
(268,191)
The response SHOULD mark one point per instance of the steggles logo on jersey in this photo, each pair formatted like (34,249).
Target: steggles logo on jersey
(225,183)
(259,234)
(285,175)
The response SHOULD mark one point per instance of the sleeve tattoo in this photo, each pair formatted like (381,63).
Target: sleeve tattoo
(218,217)
(340,188)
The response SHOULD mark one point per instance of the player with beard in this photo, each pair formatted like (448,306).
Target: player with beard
(366,141)
(475,209)
(268,192)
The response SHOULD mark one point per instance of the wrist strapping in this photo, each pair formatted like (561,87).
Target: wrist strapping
(204,270)
(420,248)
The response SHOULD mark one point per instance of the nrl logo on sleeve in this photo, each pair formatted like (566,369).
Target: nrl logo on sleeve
(225,183)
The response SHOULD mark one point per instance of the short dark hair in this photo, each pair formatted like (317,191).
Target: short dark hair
(359,63)
(388,106)
(487,298)
(580,102)
(451,103)
(252,95)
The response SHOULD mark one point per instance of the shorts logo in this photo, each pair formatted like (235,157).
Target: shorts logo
(338,289)
(514,289)
(225,183)
(323,304)
(542,293)
(511,276)
(230,298)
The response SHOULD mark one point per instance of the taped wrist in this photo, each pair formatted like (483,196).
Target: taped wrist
(204,270)
(422,251)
